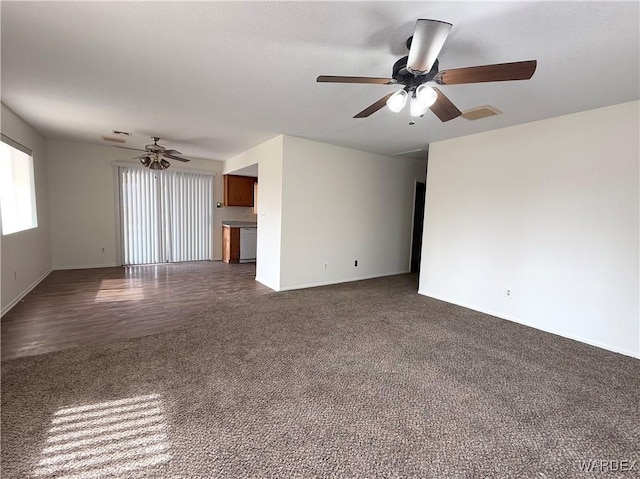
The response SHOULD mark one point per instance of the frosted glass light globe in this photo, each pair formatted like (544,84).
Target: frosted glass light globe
(426,95)
(396,101)
(417,108)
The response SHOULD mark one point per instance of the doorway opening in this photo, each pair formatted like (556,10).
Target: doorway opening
(418,223)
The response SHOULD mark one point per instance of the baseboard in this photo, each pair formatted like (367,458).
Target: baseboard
(267,284)
(25,292)
(564,334)
(339,281)
(86,266)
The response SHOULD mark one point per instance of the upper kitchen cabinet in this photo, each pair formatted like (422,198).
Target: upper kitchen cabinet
(239,190)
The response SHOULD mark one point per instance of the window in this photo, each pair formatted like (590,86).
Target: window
(17,188)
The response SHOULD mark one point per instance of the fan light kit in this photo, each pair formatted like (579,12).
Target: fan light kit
(421,67)
(155,156)
(154,162)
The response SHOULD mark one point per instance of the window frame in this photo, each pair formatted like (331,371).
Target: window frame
(33,223)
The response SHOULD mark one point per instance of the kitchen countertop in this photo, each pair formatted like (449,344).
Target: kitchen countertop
(240,224)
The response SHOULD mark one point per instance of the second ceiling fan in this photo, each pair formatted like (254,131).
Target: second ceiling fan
(421,66)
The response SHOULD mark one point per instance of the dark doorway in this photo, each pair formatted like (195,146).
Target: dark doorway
(418,222)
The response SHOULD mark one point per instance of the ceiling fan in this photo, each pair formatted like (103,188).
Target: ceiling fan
(155,155)
(421,67)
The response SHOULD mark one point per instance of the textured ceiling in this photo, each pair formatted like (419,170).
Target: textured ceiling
(215,79)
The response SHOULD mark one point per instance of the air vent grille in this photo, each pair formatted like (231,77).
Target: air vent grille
(483,111)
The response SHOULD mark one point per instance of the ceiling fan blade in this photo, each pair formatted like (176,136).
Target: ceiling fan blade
(342,79)
(169,155)
(374,107)
(428,38)
(173,152)
(444,108)
(487,73)
(127,148)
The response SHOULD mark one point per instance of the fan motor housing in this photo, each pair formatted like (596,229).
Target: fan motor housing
(405,77)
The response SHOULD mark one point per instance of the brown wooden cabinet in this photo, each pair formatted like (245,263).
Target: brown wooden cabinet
(239,190)
(230,244)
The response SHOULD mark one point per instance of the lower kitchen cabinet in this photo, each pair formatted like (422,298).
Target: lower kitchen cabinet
(239,243)
(230,244)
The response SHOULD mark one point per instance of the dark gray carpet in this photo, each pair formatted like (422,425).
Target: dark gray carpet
(365,379)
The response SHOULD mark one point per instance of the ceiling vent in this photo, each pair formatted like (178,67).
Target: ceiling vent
(114,139)
(480,112)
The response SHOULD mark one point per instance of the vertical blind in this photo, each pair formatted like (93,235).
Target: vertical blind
(166,215)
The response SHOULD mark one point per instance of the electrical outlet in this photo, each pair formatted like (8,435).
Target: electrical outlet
(15,275)
(355,262)
(508,293)
(102,250)
(324,266)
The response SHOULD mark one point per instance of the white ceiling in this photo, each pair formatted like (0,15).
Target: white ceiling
(215,79)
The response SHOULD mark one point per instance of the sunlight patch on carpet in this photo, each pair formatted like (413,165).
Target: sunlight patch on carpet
(106,438)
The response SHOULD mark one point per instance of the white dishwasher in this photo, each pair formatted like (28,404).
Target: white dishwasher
(248,244)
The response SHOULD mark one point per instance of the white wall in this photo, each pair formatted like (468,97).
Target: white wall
(27,253)
(340,205)
(83,193)
(83,204)
(269,158)
(549,210)
(248,158)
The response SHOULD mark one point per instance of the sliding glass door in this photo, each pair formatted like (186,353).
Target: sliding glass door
(166,215)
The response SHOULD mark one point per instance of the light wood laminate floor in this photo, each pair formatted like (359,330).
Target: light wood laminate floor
(80,307)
